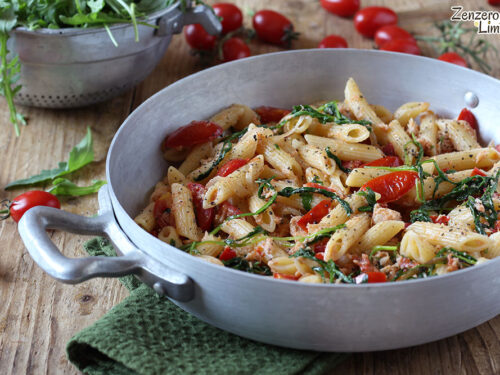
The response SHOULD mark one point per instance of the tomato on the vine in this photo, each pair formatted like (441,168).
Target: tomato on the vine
(25,201)
(368,20)
(402,46)
(342,8)
(333,41)
(273,27)
(198,38)
(454,58)
(231,16)
(234,49)
(391,32)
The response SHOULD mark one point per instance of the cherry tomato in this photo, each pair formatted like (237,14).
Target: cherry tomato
(25,201)
(441,219)
(271,114)
(388,149)
(477,172)
(320,246)
(368,20)
(283,276)
(466,115)
(494,2)
(342,8)
(402,46)
(352,164)
(376,277)
(315,214)
(391,32)
(198,38)
(454,58)
(204,216)
(392,186)
(273,27)
(319,186)
(231,166)
(227,254)
(231,15)
(388,161)
(224,210)
(162,213)
(333,41)
(194,133)
(320,256)
(235,49)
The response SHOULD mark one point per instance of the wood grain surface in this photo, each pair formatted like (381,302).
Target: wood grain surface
(39,315)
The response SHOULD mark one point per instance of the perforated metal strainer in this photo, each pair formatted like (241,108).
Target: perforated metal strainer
(68,68)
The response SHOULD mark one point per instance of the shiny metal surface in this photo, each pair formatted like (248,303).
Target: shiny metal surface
(66,68)
(298,315)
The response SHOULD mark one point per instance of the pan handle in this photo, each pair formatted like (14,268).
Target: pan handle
(32,228)
(174,21)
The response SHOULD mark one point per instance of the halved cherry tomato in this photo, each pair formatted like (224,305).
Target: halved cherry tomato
(283,276)
(453,58)
(477,172)
(391,32)
(320,246)
(376,277)
(402,46)
(25,201)
(194,133)
(342,8)
(227,254)
(271,114)
(368,20)
(198,38)
(392,186)
(204,216)
(162,213)
(388,149)
(235,49)
(441,219)
(466,115)
(333,41)
(319,186)
(224,210)
(231,15)
(273,27)
(315,214)
(388,161)
(231,166)
(320,256)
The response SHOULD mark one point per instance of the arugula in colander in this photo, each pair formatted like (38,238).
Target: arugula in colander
(55,14)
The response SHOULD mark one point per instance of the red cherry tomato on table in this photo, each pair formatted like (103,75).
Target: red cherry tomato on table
(235,49)
(368,20)
(315,214)
(271,114)
(342,8)
(204,216)
(494,2)
(388,161)
(25,201)
(392,186)
(391,32)
(198,38)
(402,46)
(227,254)
(273,27)
(231,166)
(231,15)
(194,133)
(454,58)
(466,115)
(333,41)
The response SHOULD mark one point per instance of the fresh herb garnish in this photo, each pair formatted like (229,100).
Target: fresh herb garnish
(370,197)
(324,267)
(306,200)
(63,186)
(242,264)
(81,155)
(489,214)
(376,249)
(331,155)
(289,191)
(316,180)
(462,256)
(332,109)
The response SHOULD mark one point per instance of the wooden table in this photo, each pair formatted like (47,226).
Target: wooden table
(39,315)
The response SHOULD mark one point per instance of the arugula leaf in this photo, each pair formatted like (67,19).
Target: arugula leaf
(289,191)
(306,200)
(323,267)
(81,155)
(371,199)
(331,155)
(63,186)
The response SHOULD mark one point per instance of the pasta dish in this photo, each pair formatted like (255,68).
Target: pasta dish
(332,192)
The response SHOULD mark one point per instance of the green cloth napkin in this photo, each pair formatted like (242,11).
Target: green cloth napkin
(146,334)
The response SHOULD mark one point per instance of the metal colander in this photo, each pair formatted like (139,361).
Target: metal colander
(68,68)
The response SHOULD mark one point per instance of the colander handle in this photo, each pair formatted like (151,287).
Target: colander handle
(32,228)
(174,21)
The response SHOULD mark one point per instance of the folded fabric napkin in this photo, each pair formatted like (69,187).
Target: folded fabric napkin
(146,334)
